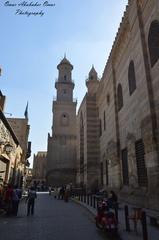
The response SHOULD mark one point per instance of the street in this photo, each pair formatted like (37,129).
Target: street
(53,220)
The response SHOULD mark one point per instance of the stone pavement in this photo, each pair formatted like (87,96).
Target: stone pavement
(53,220)
(153,232)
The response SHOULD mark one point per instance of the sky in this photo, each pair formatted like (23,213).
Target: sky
(32,46)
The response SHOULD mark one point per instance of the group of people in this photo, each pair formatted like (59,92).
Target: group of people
(10,197)
(61,193)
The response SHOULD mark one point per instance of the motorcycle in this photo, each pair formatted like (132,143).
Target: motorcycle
(105,219)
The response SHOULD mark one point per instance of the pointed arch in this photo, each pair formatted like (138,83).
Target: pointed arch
(131,77)
(153,42)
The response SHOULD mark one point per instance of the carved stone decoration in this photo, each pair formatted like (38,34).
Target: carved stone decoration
(6,140)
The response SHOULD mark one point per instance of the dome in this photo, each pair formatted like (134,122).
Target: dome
(92,74)
(65,61)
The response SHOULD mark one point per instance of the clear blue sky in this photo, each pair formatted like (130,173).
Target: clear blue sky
(31,47)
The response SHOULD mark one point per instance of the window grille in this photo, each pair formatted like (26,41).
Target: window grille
(140,162)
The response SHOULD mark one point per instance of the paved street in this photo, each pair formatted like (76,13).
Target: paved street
(53,220)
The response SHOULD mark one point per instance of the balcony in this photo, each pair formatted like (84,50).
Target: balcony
(74,100)
(63,81)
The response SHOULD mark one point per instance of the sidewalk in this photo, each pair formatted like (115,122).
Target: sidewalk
(153,232)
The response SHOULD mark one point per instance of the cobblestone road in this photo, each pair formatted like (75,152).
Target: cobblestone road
(53,220)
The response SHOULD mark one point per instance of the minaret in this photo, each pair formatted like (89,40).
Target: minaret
(92,82)
(64,108)
(61,153)
(64,84)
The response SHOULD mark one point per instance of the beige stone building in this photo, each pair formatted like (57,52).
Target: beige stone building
(10,152)
(61,152)
(21,129)
(127,101)
(11,164)
(39,167)
(14,147)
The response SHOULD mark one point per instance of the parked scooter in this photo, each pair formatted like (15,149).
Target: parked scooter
(105,218)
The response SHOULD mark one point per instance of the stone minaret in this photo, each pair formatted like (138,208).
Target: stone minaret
(93,82)
(61,153)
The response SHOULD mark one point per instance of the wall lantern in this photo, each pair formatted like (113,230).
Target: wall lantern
(8,148)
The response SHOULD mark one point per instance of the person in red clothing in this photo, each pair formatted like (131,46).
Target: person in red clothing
(8,198)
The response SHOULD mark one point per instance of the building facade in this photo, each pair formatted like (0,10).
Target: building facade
(14,147)
(61,151)
(10,154)
(21,129)
(127,100)
(39,167)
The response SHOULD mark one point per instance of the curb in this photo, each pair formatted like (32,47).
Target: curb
(84,205)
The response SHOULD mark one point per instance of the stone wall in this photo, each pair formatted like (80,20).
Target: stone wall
(137,120)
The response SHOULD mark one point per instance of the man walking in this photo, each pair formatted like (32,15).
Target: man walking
(31,201)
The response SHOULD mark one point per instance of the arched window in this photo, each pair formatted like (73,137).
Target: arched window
(65,77)
(120,96)
(131,78)
(153,42)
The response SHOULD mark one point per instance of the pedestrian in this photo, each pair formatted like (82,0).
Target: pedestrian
(15,200)
(67,193)
(50,190)
(1,196)
(8,199)
(61,192)
(113,200)
(31,201)
(56,192)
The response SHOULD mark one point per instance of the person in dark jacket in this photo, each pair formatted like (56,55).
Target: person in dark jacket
(16,195)
(31,201)
(113,200)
